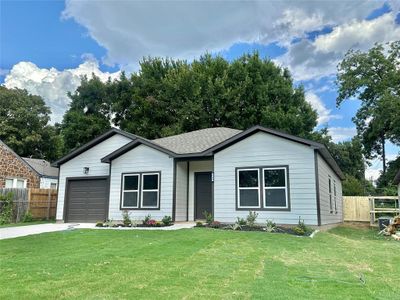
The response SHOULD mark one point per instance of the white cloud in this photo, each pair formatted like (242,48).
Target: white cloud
(341,134)
(315,59)
(53,84)
(133,29)
(324,114)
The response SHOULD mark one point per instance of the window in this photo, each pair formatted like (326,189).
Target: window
(275,188)
(334,195)
(140,191)
(248,188)
(263,188)
(9,183)
(130,191)
(15,183)
(150,190)
(330,194)
(53,185)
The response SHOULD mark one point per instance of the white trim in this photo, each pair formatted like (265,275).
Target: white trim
(132,191)
(248,188)
(152,190)
(15,182)
(285,187)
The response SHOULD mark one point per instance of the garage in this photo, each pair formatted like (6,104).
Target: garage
(87,200)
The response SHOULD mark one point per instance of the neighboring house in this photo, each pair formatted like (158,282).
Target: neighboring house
(14,171)
(48,174)
(397,182)
(224,171)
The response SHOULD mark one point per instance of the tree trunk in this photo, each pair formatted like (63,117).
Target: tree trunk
(383,156)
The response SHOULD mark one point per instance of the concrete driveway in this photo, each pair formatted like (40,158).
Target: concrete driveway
(18,231)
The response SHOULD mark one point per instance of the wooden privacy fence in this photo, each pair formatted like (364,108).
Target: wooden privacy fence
(40,202)
(369,208)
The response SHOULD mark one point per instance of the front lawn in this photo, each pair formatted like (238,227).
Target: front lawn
(344,263)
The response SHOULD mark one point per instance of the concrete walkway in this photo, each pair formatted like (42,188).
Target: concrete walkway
(18,231)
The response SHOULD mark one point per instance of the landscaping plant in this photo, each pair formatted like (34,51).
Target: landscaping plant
(6,208)
(241,221)
(146,219)
(208,216)
(167,220)
(27,217)
(270,226)
(251,218)
(126,219)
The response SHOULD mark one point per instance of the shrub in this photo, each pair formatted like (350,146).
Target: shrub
(208,216)
(235,226)
(241,221)
(27,217)
(99,224)
(6,208)
(146,219)
(126,218)
(167,220)
(251,218)
(215,224)
(199,224)
(270,226)
(108,223)
(151,222)
(301,228)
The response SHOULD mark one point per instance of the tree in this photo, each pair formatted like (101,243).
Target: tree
(24,125)
(385,181)
(374,78)
(89,114)
(170,97)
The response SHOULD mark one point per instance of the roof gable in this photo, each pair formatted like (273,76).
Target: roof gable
(42,167)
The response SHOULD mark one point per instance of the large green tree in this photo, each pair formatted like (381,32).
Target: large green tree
(24,125)
(170,97)
(89,114)
(373,77)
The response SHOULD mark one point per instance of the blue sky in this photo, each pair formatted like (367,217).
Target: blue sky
(46,45)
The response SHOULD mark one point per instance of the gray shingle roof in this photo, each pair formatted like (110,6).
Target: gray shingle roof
(196,141)
(41,166)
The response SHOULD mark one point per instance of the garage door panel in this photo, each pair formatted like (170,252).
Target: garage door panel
(87,200)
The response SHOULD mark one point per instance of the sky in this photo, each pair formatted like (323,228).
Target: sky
(45,46)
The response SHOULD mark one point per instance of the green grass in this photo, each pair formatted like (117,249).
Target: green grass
(200,263)
(25,224)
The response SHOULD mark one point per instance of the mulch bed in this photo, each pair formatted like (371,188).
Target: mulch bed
(278,229)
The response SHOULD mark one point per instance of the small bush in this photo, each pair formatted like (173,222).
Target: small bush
(126,218)
(108,223)
(27,217)
(146,219)
(236,226)
(270,226)
(298,230)
(215,224)
(99,224)
(151,222)
(167,220)
(241,221)
(208,216)
(251,218)
(199,224)
(6,208)
(302,228)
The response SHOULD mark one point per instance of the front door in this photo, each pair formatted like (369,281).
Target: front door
(203,194)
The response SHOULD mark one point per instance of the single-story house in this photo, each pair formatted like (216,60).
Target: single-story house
(18,172)
(48,175)
(224,171)
(397,182)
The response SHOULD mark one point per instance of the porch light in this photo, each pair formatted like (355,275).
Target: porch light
(86,170)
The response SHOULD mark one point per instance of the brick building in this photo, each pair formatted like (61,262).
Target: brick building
(14,171)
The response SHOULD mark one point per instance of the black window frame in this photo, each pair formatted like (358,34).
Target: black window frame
(140,191)
(330,194)
(261,188)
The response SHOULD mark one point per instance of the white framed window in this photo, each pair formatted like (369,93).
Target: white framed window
(150,190)
(275,187)
(334,195)
(248,188)
(15,183)
(330,194)
(130,190)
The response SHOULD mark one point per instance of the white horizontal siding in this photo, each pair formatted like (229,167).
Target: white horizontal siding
(45,182)
(90,158)
(181,191)
(142,159)
(262,149)
(324,171)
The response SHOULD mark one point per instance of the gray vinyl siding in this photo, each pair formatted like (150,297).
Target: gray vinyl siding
(142,159)
(181,191)
(324,171)
(90,158)
(263,149)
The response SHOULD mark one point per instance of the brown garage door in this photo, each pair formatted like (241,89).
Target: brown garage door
(87,200)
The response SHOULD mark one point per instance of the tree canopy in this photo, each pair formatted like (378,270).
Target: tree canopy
(373,77)
(24,125)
